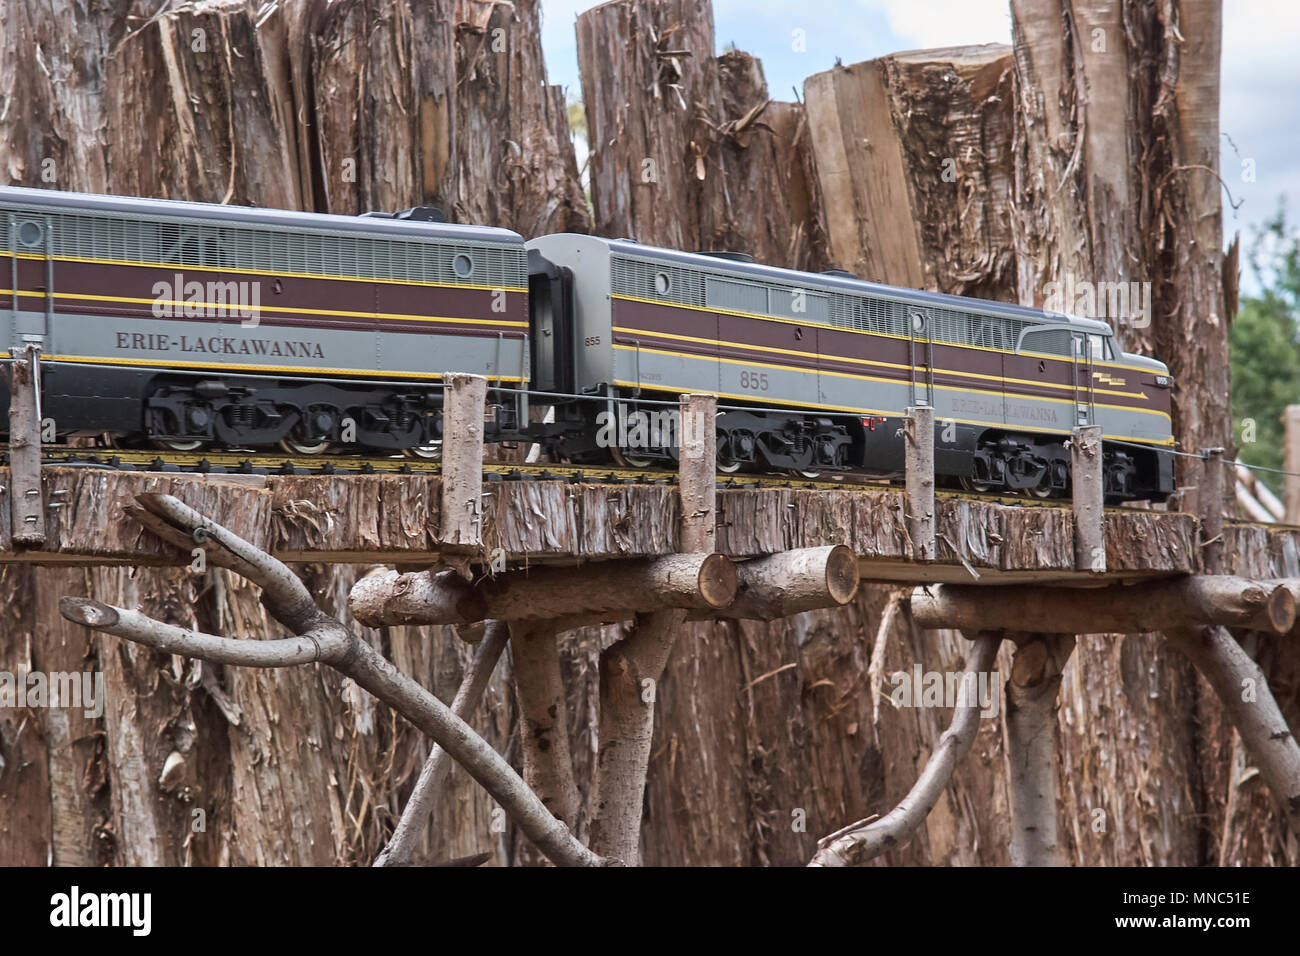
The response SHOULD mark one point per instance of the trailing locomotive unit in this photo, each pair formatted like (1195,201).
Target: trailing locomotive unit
(188,324)
(828,364)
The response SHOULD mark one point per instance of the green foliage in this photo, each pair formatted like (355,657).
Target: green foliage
(577,117)
(1265,345)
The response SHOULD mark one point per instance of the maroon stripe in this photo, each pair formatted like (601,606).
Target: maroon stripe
(359,295)
(833,345)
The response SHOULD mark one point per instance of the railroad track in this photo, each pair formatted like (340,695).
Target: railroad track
(251,463)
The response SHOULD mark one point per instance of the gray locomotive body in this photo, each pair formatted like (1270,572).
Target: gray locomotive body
(817,370)
(191,324)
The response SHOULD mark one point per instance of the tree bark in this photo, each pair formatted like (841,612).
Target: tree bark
(329,107)
(913,155)
(403,843)
(865,841)
(1115,105)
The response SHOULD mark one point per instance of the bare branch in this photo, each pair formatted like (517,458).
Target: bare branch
(1244,692)
(860,844)
(323,645)
(283,593)
(401,845)
(324,639)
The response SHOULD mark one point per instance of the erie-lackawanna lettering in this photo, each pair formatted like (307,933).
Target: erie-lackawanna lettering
(218,344)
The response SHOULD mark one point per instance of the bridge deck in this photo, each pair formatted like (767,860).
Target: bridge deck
(394,519)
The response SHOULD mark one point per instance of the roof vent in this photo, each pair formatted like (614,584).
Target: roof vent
(414,214)
(839,273)
(733,256)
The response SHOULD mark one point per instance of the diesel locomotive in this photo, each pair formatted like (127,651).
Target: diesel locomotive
(191,326)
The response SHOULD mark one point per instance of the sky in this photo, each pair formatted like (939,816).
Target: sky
(1260,94)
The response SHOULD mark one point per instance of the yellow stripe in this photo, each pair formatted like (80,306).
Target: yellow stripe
(401,316)
(875,411)
(181,267)
(159,363)
(888,335)
(875,362)
(875,378)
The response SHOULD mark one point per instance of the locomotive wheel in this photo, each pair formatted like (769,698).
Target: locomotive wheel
(970,484)
(806,473)
(625,460)
(728,467)
(294,447)
(167,444)
(430,452)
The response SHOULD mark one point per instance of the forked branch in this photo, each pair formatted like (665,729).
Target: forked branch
(321,638)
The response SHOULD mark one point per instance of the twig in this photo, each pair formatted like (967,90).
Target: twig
(858,845)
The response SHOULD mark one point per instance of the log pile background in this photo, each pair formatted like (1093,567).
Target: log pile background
(767,736)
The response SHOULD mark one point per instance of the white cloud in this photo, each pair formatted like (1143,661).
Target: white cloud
(936,23)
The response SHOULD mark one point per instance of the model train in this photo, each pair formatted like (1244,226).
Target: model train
(190,326)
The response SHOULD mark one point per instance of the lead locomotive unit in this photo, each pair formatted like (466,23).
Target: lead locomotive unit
(190,325)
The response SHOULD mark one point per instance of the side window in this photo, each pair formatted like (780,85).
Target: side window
(1096,348)
(1048,340)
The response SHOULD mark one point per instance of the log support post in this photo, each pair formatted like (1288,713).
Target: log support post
(698,470)
(464,398)
(1089,510)
(26,508)
(919,457)
(1211,507)
(630,669)
(543,718)
(1030,732)
(1291,463)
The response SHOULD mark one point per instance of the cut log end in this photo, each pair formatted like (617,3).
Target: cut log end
(718,580)
(842,574)
(88,613)
(1281,609)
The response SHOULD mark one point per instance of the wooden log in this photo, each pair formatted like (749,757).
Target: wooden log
(793,582)
(697,472)
(1291,463)
(614,588)
(1211,508)
(1192,601)
(462,461)
(1089,510)
(543,717)
(919,479)
(26,505)
(648,85)
(914,164)
(1031,747)
(765,151)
